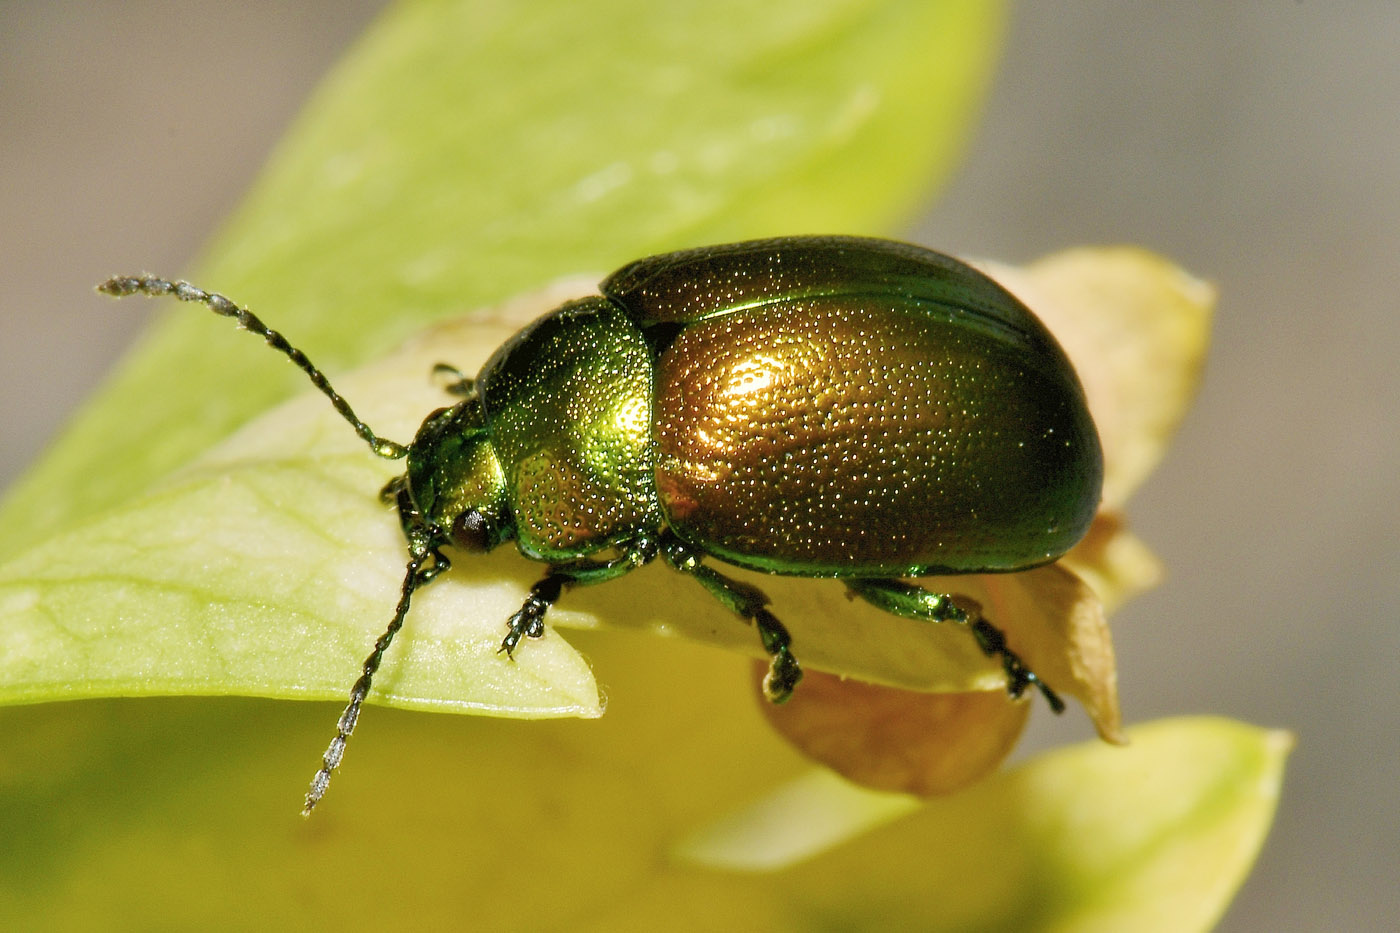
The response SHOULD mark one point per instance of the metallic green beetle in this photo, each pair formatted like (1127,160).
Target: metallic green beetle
(810,406)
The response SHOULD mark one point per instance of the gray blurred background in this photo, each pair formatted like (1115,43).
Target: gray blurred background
(1256,143)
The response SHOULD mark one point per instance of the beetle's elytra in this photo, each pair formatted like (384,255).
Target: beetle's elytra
(810,406)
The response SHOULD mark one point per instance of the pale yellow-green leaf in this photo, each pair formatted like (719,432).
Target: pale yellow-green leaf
(462,152)
(1156,835)
(573,824)
(806,816)
(267,566)
(1115,563)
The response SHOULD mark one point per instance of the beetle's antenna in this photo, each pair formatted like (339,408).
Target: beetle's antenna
(123,285)
(414,577)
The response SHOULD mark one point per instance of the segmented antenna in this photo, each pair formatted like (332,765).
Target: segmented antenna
(123,285)
(413,578)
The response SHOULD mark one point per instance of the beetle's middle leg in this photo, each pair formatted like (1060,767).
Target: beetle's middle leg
(914,602)
(749,602)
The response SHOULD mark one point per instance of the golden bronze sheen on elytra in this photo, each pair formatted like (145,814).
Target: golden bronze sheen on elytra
(809,406)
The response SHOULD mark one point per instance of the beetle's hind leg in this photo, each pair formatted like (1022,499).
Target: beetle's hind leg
(914,602)
(749,602)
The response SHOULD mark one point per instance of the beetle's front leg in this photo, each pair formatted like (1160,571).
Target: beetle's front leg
(454,381)
(749,602)
(528,622)
(914,602)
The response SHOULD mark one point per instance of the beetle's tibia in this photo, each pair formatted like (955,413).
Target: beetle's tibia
(123,285)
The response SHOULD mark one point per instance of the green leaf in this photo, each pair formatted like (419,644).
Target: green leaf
(569,824)
(266,566)
(463,152)
(1154,836)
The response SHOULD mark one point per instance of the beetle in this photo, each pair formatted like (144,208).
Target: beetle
(842,407)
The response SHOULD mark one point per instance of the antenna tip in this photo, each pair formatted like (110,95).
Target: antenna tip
(119,286)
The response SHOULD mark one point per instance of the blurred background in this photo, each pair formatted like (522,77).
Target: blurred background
(1256,144)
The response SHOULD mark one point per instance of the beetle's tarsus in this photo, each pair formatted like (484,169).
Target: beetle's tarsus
(1019,677)
(430,573)
(1057,705)
(528,622)
(782,678)
(783,671)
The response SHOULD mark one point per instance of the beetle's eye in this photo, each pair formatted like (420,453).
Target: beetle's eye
(471,531)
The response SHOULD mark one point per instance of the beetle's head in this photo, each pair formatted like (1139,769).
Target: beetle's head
(455,479)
